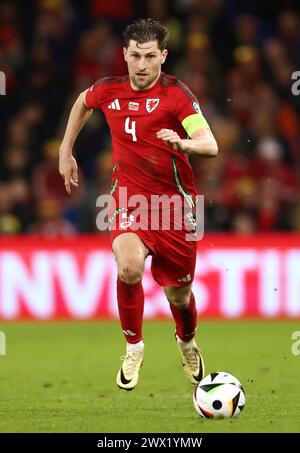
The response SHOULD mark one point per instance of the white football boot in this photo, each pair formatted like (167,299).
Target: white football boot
(128,374)
(192,360)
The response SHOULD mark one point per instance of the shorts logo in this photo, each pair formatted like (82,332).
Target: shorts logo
(196,107)
(185,279)
(126,223)
(151,104)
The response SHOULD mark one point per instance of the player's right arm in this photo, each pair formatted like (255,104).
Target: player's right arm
(79,115)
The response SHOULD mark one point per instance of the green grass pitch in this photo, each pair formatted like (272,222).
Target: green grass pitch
(60,377)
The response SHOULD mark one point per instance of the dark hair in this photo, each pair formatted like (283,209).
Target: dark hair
(145,30)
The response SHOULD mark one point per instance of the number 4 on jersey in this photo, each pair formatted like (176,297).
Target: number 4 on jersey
(130,130)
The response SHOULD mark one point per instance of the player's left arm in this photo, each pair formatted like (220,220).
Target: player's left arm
(185,107)
(201,143)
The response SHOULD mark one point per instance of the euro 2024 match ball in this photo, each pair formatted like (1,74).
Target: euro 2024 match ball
(219,395)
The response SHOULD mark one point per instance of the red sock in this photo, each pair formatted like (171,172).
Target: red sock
(185,320)
(131,309)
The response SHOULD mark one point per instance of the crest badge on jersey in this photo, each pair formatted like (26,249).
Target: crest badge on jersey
(151,104)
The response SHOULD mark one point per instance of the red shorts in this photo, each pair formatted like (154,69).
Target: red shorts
(173,256)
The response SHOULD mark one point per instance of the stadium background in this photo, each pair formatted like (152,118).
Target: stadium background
(238,59)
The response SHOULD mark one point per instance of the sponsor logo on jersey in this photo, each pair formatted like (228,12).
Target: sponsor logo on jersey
(196,107)
(133,106)
(115,105)
(151,104)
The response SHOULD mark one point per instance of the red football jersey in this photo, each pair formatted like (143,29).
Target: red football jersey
(141,162)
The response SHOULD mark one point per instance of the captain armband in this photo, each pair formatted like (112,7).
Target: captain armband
(193,123)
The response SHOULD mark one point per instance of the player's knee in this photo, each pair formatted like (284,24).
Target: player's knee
(179,301)
(131,273)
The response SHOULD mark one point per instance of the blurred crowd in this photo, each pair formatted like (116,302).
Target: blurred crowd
(237,57)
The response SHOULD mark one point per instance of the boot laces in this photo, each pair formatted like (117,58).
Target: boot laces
(130,361)
(191,357)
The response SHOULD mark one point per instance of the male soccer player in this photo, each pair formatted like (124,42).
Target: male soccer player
(150,114)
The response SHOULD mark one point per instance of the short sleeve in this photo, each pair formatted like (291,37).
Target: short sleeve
(187,109)
(93,97)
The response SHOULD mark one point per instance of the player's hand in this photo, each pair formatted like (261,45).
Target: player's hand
(69,171)
(171,138)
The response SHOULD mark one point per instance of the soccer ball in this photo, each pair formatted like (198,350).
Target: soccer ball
(219,395)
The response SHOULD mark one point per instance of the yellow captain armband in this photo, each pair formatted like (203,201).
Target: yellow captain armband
(194,122)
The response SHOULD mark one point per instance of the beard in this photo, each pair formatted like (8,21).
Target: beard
(142,84)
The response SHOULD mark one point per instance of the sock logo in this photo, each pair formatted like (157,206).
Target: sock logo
(129,333)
